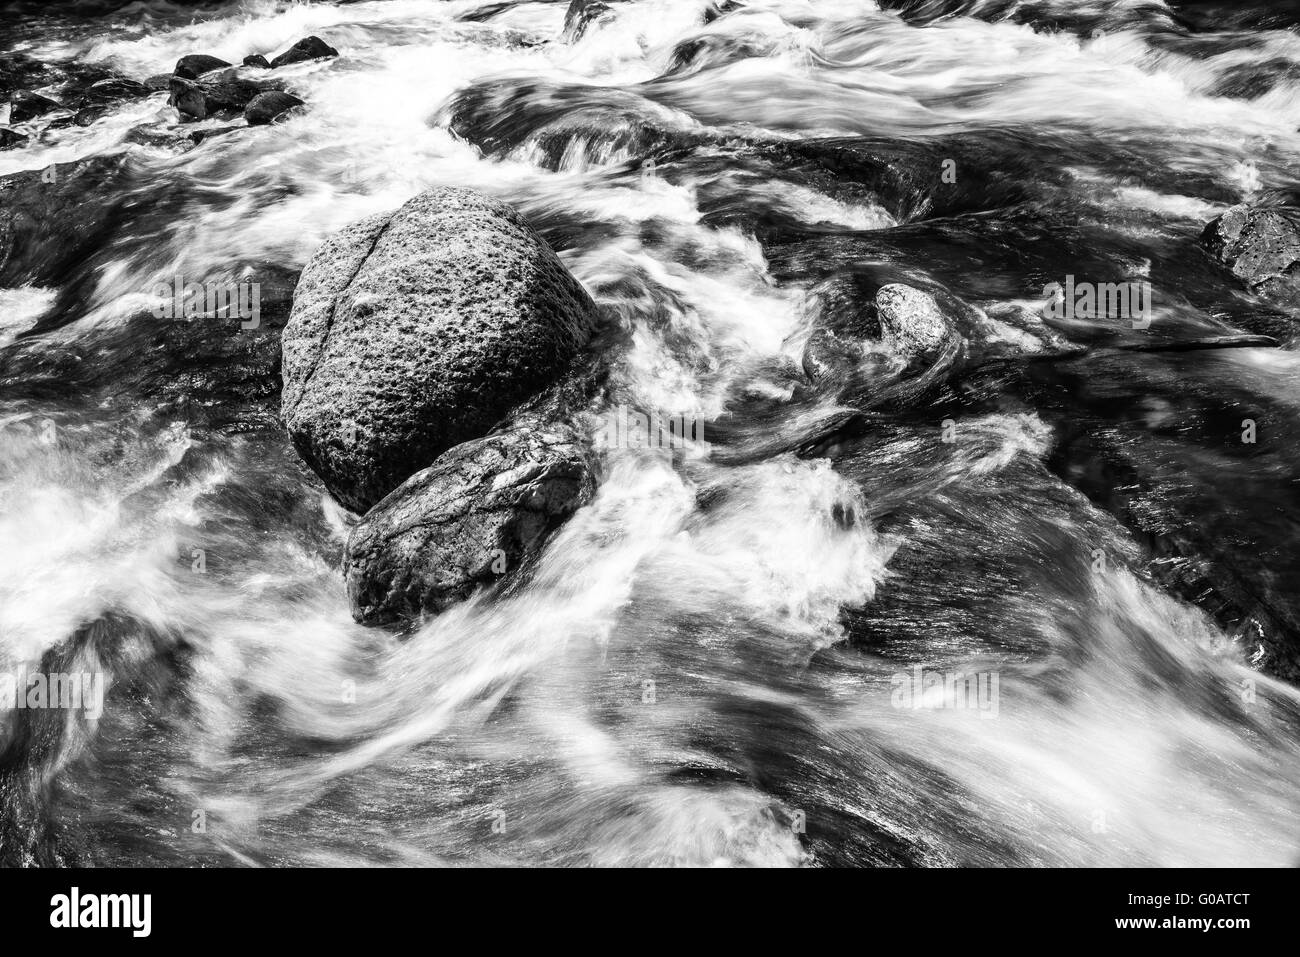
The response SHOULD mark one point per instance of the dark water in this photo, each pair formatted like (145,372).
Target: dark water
(704,667)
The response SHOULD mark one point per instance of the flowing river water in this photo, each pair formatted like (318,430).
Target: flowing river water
(705,667)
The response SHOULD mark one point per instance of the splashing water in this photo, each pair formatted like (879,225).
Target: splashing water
(711,664)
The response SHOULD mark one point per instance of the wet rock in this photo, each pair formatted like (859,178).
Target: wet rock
(220,92)
(50,218)
(829,358)
(188,97)
(112,89)
(10,139)
(308,48)
(19,71)
(269,107)
(416,330)
(483,510)
(257,60)
(199,136)
(26,106)
(581,15)
(194,65)
(1261,247)
(158,82)
(87,116)
(911,322)
(147,134)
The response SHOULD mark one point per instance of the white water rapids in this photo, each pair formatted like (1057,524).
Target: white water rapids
(676,684)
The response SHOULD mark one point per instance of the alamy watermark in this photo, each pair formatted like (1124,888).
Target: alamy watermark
(626,428)
(210,300)
(1107,300)
(974,691)
(76,691)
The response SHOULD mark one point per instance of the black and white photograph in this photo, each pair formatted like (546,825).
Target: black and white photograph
(636,434)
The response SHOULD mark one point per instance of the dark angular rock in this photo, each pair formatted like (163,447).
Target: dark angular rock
(482,510)
(9,139)
(1261,247)
(269,107)
(194,65)
(27,106)
(308,48)
(49,218)
(416,330)
(257,60)
(158,82)
(218,92)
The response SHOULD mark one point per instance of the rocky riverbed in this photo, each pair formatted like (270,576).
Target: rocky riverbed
(651,432)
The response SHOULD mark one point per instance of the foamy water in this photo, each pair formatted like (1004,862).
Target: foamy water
(701,670)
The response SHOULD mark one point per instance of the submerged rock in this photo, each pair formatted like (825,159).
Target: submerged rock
(416,330)
(308,48)
(201,136)
(112,89)
(51,218)
(270,106)
(482,510)
(194,65)
(1261,246)
(829,358)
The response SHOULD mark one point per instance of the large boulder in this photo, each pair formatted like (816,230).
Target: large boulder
(1261,247)
(194,65)
(270,106)
(911,322)
(214,93)
(308,48)
(482,510)
(416,330)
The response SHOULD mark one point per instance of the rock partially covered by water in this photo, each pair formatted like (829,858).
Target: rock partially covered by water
(268,107)
(112,89)
(1261,246)
(416,330)
(911,322)
(581,15)
(26,106)
(257,60)
(483,510)
(308,48)
(194,65)
(221,92)
(51,218)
